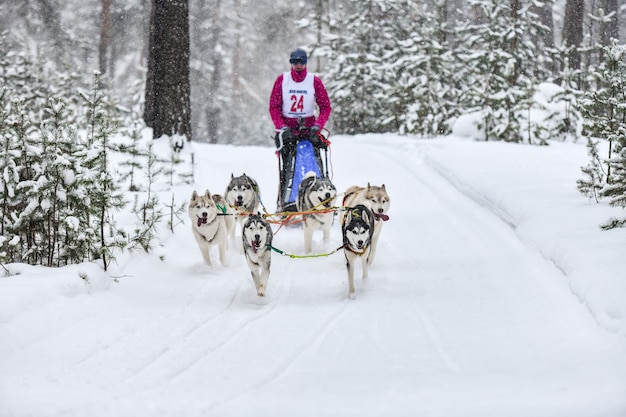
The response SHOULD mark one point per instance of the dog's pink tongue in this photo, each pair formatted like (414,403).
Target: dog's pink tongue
(200,221)
(382,217)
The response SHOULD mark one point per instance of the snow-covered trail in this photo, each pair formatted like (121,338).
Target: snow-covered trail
(457,318)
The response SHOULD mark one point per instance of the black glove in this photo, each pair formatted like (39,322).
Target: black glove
(315,130)
(314,139)
(284,133)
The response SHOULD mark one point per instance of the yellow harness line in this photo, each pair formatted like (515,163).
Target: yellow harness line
(317,255)
(292,256)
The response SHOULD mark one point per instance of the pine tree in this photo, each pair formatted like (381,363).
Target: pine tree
(424,90)
(104,194)
(566,124)
(361,76)
(497,56)
(604,109)
(593,182)
(57,174)
(603,106)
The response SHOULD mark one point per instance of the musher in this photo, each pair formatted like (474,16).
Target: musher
(292,109)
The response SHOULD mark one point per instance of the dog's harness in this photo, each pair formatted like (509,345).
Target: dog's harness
(315,213)
(346,245)
(212,237)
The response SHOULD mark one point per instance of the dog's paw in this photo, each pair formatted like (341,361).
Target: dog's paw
(352,296)
(261,291)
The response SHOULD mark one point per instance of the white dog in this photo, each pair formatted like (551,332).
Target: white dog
(257,240)
(211,223)
(357,229)
(315,197)
(376,199)
(242,194)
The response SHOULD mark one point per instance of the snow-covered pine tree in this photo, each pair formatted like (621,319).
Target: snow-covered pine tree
(360,77)
(593,181)
(149,212)
(604,110)
(9,180)
(56,179)
(566,124)
(132,126)
(615,188)
(104,195)
(498,56)
(603,105)
(425,90)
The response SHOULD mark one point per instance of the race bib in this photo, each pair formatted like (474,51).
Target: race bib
(298,98)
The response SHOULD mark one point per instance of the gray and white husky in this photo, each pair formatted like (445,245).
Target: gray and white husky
(315,198)
(242,195)
(376,199)
(211,224)
(357,229)
(257,240)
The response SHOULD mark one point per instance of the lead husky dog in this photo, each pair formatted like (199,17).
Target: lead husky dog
(357,229)
(211,224)
(242,194)
(376,199)
(315,197)
(257,240)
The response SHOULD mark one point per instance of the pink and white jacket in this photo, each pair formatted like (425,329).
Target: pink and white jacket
(291,98)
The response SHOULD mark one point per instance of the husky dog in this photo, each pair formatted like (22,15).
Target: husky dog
(210,224)
(257,239)
(242,194)
(376,199)
(357,230)
(316,195)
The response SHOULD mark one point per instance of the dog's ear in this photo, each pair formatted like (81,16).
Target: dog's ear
(207,194)
(365,216)
(383,187)
(232,176)
(194,195)
(369,187)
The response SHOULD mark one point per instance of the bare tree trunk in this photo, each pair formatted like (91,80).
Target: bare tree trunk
(213,108)
(319,13)
(168,70)
(610,27)
(237,50)
(105,36)
(544,11)
(573,30)
(148,110)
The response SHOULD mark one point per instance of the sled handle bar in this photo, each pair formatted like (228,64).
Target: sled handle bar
(280,140)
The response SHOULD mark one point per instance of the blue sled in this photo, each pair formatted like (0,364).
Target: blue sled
(305,162)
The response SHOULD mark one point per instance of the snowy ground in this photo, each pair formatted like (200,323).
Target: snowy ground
(494,293)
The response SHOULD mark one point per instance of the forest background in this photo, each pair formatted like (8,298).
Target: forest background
(390,65)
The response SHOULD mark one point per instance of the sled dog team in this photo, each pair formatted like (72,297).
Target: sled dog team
(214,217)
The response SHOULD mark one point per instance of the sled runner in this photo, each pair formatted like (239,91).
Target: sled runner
(299,152)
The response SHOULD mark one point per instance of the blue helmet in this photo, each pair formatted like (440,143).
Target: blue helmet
(298,56)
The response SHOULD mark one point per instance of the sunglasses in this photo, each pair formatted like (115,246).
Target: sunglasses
(298,62)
